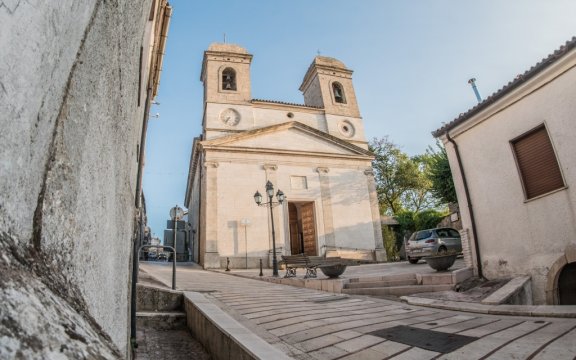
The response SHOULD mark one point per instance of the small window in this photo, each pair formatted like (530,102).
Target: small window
(338,93)
(539,169)
(229,79)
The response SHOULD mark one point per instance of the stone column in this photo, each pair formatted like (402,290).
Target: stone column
(210,215)
(327,214)
(379,251)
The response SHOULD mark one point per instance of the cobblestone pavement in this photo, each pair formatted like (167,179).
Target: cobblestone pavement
(310,324)
(175,344)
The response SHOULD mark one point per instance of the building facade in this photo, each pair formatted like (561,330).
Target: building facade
(76,83)
(316,153)
(514,168)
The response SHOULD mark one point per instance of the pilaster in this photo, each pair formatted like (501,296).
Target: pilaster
(379,252)
(327,214)
(210,215)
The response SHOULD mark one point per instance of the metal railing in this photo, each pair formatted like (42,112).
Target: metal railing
(173,260)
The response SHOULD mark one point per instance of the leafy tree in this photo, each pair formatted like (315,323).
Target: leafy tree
(420,197)
(395,174)
(440,176)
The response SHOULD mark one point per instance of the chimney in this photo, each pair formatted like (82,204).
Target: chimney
(473,83)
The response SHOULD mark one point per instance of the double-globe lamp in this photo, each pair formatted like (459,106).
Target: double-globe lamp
(258,199)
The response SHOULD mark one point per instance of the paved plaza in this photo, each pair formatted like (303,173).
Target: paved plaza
(311,324)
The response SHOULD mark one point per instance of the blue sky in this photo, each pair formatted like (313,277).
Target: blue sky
(411,60)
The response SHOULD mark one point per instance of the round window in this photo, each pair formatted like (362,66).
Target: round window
(346,128)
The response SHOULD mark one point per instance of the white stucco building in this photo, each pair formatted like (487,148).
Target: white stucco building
(513,159)
(315,153)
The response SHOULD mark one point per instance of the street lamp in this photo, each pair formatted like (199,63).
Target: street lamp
(258,199)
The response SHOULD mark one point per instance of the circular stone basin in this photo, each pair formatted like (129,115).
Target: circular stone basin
(441,262)
(333,271)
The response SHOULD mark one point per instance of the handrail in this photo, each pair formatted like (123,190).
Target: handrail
(173,261)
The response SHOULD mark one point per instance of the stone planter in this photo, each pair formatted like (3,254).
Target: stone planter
(333,271)
(441,262)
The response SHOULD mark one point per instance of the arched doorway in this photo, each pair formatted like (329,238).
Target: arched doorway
(567,285)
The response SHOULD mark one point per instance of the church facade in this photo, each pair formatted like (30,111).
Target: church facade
(315,153)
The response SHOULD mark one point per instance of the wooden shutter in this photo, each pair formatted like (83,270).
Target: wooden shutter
(537,163)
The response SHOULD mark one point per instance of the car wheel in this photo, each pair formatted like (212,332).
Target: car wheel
(412,260)
(442,250)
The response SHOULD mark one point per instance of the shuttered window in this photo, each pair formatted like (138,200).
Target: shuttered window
(537,163)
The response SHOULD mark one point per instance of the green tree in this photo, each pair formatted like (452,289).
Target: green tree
(420,197)
(395,174)
(440,176)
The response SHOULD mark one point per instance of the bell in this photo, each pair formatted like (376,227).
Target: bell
(228,78)
(228,86)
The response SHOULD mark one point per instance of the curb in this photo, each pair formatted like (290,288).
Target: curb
(555,311)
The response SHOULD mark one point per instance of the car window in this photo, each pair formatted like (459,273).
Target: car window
(453,233)
(442,233)
(423,234)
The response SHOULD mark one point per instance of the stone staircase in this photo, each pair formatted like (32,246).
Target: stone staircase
(403,284)
(160,309)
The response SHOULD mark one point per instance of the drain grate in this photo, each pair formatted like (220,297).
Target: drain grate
(425,339)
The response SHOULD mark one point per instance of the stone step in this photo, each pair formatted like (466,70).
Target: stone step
(397,290)
(395,277)
(381,283)
(152,298)
(161,320)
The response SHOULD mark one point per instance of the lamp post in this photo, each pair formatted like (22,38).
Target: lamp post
(271,204)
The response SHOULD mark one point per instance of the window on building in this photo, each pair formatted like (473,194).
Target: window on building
(229,79)
(537,163)
(338,93)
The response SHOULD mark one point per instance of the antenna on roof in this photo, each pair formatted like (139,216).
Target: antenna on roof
(473,83)
(224,38)
(318,51)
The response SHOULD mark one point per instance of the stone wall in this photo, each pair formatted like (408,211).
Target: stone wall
(71,123)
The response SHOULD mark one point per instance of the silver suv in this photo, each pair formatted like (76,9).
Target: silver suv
(432,242)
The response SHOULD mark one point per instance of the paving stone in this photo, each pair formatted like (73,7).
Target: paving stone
(359,343)
(328,353)
(562,348)
(529,344)
(487,344)
(465,325)
(490,328)
(389,348)
(319,342)
(416,354)
(446,321)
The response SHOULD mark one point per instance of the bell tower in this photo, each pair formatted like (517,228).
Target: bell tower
(226,74)
(328,84)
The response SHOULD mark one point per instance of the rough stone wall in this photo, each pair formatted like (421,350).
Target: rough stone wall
(70,126)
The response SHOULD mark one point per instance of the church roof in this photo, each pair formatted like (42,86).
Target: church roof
(329,61)
(228,139)
(228,48)
(508,88)
(285,103)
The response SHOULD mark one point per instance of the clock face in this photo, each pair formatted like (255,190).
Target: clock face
(230,117)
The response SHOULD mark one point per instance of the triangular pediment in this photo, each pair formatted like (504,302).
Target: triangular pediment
(292,137)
